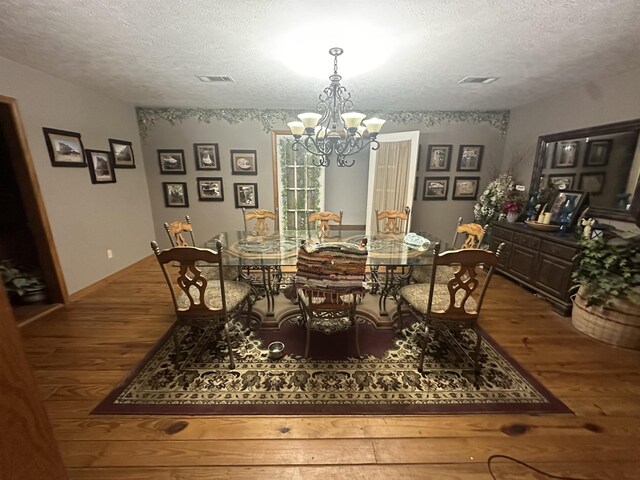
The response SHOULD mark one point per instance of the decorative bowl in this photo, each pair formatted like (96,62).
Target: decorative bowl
(276,350)
(545,227)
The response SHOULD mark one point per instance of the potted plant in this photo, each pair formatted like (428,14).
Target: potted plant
(607,304)
(21,283)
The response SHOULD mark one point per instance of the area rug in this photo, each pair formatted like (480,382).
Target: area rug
(383,380)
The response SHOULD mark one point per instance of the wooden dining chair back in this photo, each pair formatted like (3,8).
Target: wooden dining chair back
(329,286)
(200,302)
(393,221)
(474,234)
(319,222)
(458,301)
(260,227)
(176,229)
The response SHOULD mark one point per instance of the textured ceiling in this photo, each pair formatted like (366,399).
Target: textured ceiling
(148,52)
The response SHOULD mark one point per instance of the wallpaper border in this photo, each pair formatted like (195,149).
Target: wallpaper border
(149,116)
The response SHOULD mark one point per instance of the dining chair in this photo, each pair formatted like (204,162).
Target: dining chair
(261,216)
(329,286)
(319,221)
(259,276)
(176,229)
(473,235)
(457,302)
(201,303)
(393,221)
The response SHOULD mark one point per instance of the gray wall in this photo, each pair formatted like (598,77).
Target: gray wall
(85,219)
(607,100)
(346,187)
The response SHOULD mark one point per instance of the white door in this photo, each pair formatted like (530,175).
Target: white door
(392,171)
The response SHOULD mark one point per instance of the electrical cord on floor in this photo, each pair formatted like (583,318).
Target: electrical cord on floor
(526,465)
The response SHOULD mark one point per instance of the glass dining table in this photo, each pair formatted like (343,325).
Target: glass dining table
(390,258)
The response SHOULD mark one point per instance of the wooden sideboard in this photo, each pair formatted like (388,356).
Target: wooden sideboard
(538,260)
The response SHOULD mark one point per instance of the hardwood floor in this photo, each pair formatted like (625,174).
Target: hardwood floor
(78,354)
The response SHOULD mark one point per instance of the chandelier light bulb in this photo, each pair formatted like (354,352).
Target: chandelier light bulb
(374,125)
(352,120)
(309,119)
(297,128)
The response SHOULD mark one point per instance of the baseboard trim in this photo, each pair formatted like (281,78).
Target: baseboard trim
(74,297)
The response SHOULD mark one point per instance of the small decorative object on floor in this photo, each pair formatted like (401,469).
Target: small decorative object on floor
(276,350)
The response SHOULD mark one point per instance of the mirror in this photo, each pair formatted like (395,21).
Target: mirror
(603,161)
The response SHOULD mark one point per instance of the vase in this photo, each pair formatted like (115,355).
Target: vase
(512,217)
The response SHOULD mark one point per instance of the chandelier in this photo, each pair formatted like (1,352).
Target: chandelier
(335,130)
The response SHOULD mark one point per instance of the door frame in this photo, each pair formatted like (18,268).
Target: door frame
(414,137)
(32,199)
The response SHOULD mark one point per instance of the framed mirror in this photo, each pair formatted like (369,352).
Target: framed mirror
(603,161)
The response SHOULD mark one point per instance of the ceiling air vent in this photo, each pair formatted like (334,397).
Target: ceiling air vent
(482,80)
(215,78)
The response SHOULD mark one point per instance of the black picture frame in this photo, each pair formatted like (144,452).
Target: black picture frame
(122,152)
(207,156)
(101,166)
(597,153)
(559,201)
(435,188)
(439,158)
(462,184)
(175,194)
(171,162)
(592,182)
(65,148)
(470,158)
(566,154)
(244,162)
(210,189)
(245,195)
(555,180)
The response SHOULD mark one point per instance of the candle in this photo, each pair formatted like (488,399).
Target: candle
(547,218)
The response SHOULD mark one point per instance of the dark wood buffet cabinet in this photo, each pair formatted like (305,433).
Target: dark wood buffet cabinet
(541,261)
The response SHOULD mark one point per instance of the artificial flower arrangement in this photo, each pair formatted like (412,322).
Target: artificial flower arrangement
(499,198)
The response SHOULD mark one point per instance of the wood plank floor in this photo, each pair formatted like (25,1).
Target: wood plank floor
(78,354)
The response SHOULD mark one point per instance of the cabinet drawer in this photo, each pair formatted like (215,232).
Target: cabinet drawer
(526,240)
(503,233)
(560,251)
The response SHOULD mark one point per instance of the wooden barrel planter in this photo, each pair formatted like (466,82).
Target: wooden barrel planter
(617,323)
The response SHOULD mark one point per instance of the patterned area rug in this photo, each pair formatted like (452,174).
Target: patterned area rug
(384,380)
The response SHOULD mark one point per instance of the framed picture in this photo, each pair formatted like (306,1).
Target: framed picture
(207,157)
(65,148)
(171,162)
(549,153)
(470,158)
(175,194)
(561,181)
(597,153)
(122,153)
(435,188)
(439,157)
(210,189)
(592,182)
(101,167)
(566,155)
(246,195)
(465,188)
(561,199)
(244,162)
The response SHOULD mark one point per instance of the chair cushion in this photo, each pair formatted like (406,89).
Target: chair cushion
(418,297)
(422,274)
(211,273)
(330,325)
(235,294)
